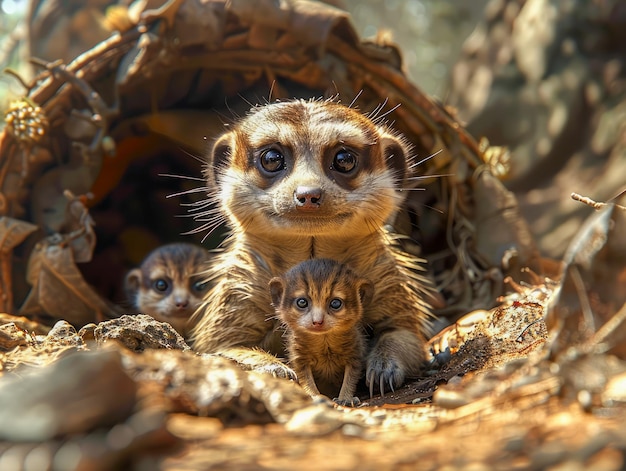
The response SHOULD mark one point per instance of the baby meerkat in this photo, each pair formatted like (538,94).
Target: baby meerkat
(168,285)
(320,301)
(299,180)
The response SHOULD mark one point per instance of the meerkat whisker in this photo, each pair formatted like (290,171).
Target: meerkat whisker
(245,100)
(198,216)
(207,205)
(210,226)
(374,113)
(191,214)
(196,230)
(198,158)
(380,119)
(433,208)
(426,177)
(217,219)
(426,159)
(188,192)
(210,231)
(182,177)
(209,200)
(209,220)
(356,97)
(197,205)
(204,212)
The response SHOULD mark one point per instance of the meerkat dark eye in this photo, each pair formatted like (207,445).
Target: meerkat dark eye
(336,304)
(160,285)
(344,161)
(272,160)
(302,303)
(199,286)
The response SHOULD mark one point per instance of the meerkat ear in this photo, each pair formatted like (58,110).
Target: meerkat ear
(132,282)
(219,155)
(366,291)
(276,290)
(397,154)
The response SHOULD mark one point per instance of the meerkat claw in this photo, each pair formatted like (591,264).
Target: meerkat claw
(370,381)
(278,371)
(352,402)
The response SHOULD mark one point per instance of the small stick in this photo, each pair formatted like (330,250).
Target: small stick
(594,204)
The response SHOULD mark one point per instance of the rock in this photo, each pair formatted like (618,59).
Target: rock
(12,336)
(212,386)
(138,333)
(72,395)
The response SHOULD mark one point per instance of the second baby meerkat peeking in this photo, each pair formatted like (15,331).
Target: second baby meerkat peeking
(168,285)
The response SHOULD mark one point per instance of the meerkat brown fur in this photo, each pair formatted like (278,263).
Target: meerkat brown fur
(320,303)
(168,285)
(311,179)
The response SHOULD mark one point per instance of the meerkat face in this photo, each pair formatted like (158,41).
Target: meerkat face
(309,168)
(319,296)
(169,286)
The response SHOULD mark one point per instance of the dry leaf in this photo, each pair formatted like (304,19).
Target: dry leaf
(58,288)
(78,226)
(13,232)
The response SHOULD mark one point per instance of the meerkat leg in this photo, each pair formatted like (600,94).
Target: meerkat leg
(397,354)
(307,381)
(348,387)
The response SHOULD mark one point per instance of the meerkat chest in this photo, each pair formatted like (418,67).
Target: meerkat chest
(274,256)
(329,367)
(328,360)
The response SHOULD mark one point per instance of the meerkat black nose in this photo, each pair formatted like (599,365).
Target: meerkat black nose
(307,198)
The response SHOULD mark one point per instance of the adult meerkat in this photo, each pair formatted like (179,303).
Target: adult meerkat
(320,303)
(168,285)
(311,179)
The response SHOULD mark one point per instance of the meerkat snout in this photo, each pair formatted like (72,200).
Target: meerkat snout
(181,302)
(307,198)
(317,317)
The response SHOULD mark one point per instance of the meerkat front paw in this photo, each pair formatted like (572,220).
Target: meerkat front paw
(383,372)
(396,355)
(278,370)
(260,361)
(352,401)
